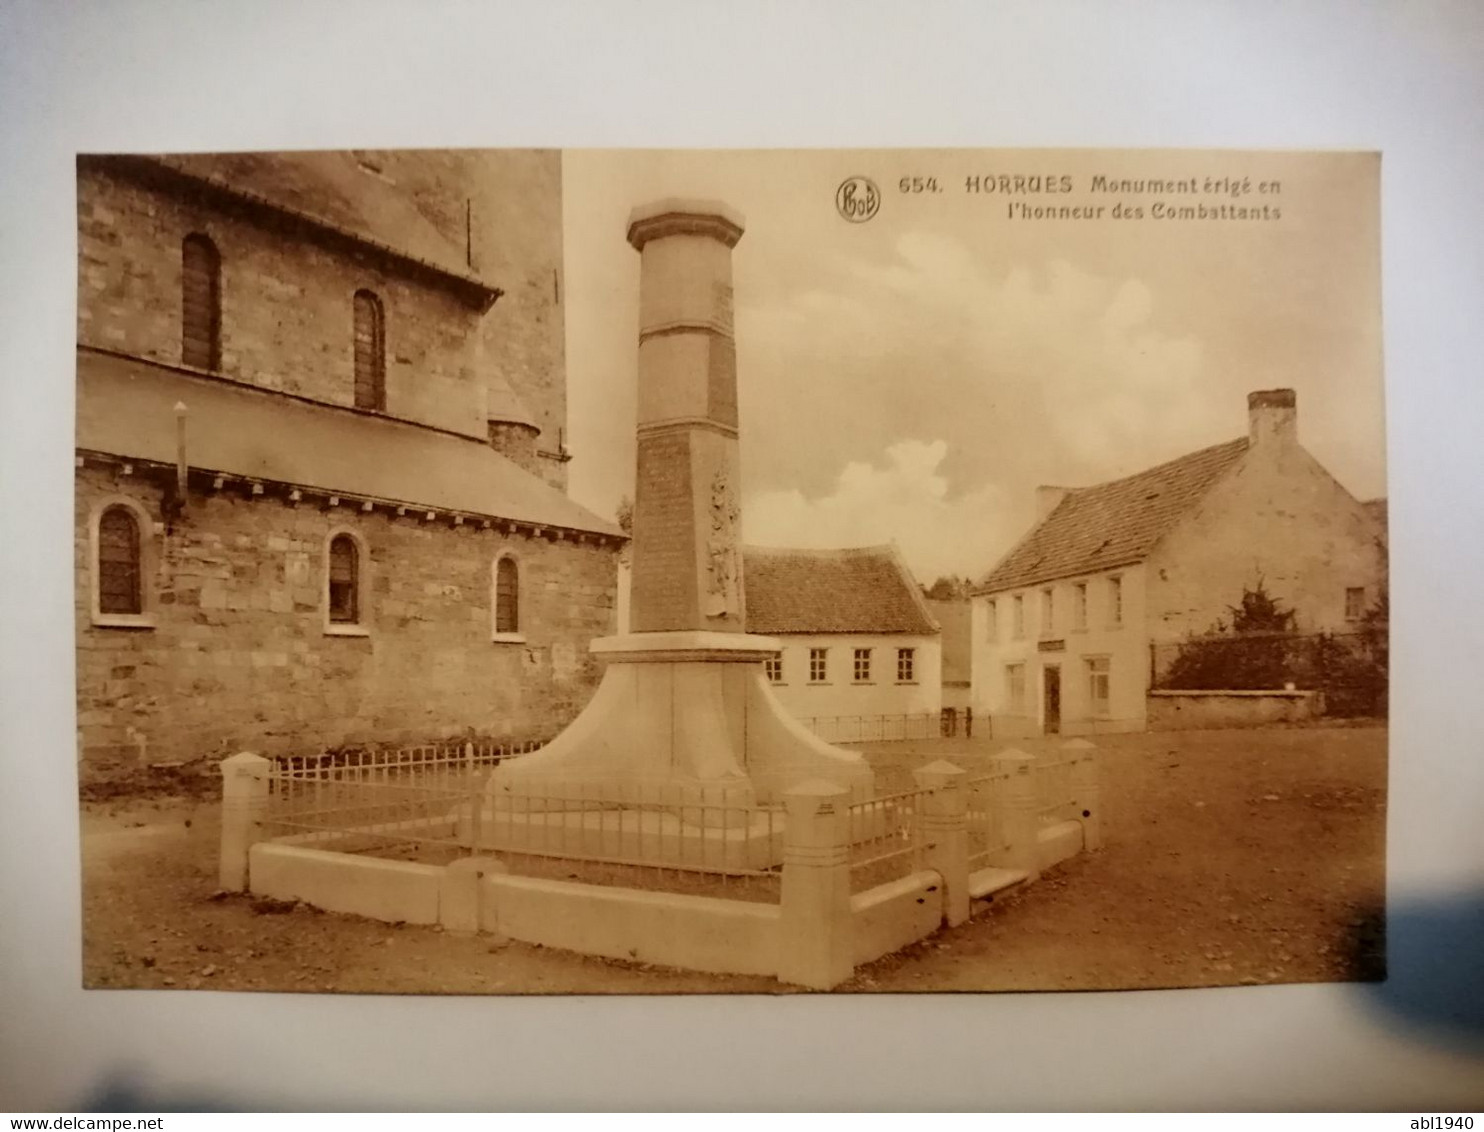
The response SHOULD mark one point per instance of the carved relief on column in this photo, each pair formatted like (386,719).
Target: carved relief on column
(722,581)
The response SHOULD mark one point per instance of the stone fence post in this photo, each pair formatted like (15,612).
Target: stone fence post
(945,830)
(244,800)
(1089,791)
(1020,814)
(816,927)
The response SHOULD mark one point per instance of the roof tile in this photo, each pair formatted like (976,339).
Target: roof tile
(860,590)
(1115,523)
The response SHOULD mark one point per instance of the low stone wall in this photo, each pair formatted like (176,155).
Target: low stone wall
(698,933)
(1196,710)
(890,916)
(1058,843)
(391,891)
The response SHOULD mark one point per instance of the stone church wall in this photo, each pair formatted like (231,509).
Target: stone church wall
(286,306)
(507,205)
(239,659)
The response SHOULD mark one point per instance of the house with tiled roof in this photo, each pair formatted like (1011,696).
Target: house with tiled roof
(860,641)
(320,469)
(1066,624)
(858,637)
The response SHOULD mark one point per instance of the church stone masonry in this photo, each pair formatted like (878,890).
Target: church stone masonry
(230,642)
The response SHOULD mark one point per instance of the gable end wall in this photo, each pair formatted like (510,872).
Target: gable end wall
(1278,517)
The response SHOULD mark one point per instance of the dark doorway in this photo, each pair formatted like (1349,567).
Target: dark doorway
(1051,684)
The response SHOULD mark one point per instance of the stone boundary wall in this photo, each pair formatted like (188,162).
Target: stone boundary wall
(1197,710)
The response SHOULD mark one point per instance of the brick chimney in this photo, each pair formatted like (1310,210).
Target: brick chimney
(1272,416)
(1048,498)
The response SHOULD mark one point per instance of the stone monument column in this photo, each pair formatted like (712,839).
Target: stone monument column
(687,571)
(684,711)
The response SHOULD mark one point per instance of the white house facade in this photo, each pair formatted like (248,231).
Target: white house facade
(1072,650)
(858,637)
(1063,626)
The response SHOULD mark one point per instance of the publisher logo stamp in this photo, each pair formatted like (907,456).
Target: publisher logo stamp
(857,199)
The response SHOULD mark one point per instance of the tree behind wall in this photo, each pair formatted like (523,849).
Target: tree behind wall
(948,588)
(1250,652)
(1257,648)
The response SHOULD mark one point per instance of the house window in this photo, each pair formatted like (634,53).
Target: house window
(862,666)
(991,620)
(120,562)
(1097,684)
(773,668)
(1079,607)
(1048,612)
(1354,603)
(345,581)
(818,665)
(200,304)
(507,597)
(906,662)
(1015,687)
(1018,625)
(1115,600)
(370,352)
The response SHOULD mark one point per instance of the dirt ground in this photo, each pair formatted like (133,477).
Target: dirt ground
(1229,857)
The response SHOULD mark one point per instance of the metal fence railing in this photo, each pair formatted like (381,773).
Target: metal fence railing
(875,728)
(648,830)
(886,841)
(435,764)
(1056,790)
(387,801)
(989,836)
(434,804)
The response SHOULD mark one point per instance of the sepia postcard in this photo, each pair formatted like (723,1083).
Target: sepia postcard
(646,572)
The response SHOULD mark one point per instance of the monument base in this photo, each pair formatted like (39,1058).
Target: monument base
(684,716)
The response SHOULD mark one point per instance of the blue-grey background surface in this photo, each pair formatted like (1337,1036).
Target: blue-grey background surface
(1407,79)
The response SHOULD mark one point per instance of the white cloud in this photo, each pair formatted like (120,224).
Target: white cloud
(1025,374)
(907,501)
(1030,373)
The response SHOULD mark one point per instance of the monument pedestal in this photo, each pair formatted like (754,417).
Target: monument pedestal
(689,712)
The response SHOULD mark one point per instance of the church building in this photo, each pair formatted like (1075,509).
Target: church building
(320,458)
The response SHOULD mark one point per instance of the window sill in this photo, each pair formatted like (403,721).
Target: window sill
(819,684)
(123,620)
(907,683)
(347,630)
(508,638)
(864,683)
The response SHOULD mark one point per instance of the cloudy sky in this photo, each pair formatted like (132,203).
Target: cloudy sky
(914,377)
